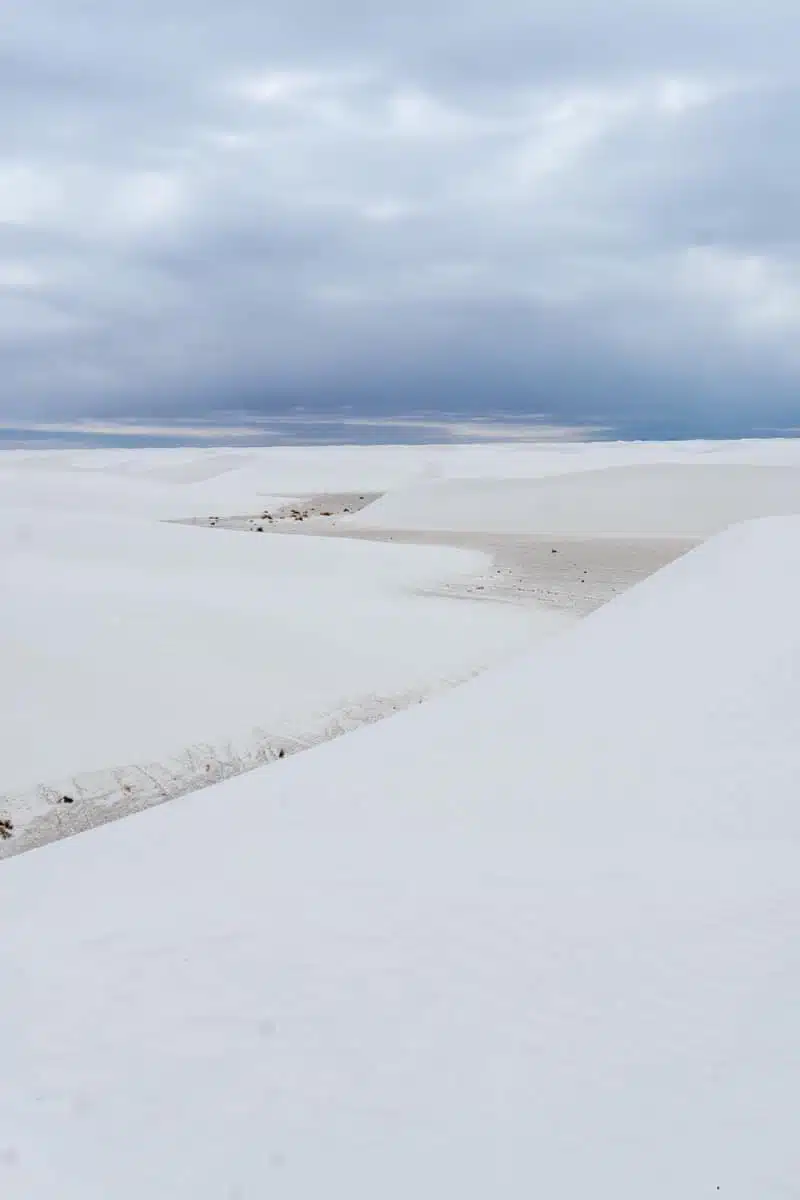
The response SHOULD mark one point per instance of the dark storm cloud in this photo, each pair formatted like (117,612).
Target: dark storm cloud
(584,210)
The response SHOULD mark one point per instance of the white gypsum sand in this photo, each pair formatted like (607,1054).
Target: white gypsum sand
(144,661)
(568,575)
(572,575)
(537,936)
(688,500)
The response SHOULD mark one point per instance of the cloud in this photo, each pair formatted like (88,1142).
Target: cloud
(296,427)
(480,209)
(757,294)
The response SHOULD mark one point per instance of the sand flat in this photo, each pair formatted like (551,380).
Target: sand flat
(567,574)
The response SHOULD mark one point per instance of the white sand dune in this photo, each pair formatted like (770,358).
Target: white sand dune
(129,643)
(681,500)
(141,660)
(537,937)
(174,483)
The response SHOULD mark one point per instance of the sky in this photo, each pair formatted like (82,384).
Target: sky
(584,212)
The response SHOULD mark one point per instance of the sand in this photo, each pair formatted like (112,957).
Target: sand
(288,651)
(554,580)
(575,575)
(568,574)
(537,937)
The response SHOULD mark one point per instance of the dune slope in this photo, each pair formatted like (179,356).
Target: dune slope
(535,937)
(687,499)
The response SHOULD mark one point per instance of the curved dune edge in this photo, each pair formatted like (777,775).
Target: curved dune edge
(569,578)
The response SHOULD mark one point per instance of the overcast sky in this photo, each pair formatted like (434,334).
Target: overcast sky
(589,210)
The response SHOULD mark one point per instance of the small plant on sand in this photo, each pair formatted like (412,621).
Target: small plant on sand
(6,827)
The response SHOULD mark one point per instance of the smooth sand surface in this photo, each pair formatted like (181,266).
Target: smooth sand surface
(684,500)
(537,938)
